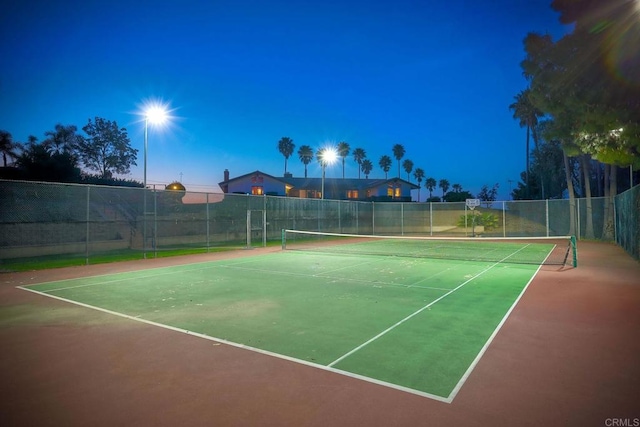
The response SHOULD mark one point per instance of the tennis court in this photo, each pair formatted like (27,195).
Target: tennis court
(382,310)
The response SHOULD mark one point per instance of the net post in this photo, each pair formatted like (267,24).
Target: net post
(574,251)
(284,239)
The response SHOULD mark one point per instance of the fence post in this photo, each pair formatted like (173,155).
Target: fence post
(264,226)
(577,208)
(87,220)
(504,219)
(373,218)
(144,224)
(207,210)
(546,204)
(248,228)
(155,222)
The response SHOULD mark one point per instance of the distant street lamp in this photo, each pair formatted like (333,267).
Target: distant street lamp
(156,114)
(327,156)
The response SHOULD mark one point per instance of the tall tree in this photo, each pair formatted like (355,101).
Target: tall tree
(398,153)
(524,111)
(359,155)
(8,147)
(385,164)
(107,148)
(444,185)
(488,195)
(457,188)
(547,165)
(320,156)
(419,176)
(431,185)
(367,167)
(407,165)
(343,151)
(571,80)
(305,153)
(286,147)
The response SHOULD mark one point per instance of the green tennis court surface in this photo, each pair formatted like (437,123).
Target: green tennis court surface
(411,323)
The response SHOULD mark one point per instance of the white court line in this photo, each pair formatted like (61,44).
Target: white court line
(415,313)
(322,274)
(159,271)
(466,375)
(329,367)
(415,284)
(227,266)
(246,347)
(148,276)
(484,348)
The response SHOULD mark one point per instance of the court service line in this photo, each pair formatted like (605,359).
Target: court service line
(415,313)
(121,279)
(155,272)
(346,279)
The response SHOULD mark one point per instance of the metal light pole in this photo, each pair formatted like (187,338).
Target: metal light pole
(326,156)
(156,114)
(146,137)
(324,167)
(144,189)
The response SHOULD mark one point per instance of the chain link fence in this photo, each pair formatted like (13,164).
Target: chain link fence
(38,219)
(627,221)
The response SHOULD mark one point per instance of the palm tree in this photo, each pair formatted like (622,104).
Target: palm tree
(385,164)
(418,175)
(320,156)
(457,188)
(359,155)
(431,184)
(63,139)
(367,167)
(7,146)
(398,153)
(286,146)
(305,153)
(407,165)
(444,184)
(343,151)
(528,114)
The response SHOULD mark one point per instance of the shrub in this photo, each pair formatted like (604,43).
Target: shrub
(488,220)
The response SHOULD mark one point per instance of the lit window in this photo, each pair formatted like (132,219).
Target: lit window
(394,191)
(352,194)
(257,190)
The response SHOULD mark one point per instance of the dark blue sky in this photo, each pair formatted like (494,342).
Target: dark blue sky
(436,77)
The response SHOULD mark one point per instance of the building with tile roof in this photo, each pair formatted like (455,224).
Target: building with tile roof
(260,183)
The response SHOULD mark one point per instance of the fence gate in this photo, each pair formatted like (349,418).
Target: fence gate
(256,227)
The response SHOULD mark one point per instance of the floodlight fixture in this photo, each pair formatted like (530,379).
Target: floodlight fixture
(328,156)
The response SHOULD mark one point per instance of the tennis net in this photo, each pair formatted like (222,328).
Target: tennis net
(526,250)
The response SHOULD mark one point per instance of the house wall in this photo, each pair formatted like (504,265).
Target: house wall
(269,185)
